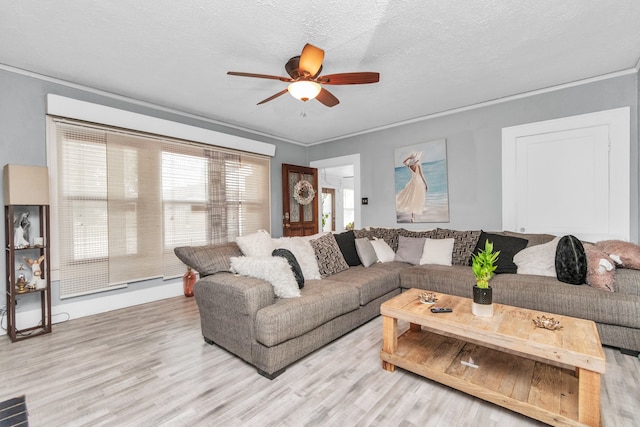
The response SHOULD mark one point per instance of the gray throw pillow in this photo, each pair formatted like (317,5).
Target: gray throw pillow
(366,252)
(410,249)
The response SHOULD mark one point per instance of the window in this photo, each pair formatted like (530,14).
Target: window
(126,199)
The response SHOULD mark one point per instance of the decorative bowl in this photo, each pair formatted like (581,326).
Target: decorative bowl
(547,323)
(427,298)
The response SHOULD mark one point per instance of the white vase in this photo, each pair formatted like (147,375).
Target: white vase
(482,310)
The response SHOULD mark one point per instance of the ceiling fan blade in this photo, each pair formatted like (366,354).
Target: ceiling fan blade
(349,78)
(311,59)
(272,97)
(259,76)
(327,98)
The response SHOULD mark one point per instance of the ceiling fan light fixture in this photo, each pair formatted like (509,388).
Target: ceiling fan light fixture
(304,90)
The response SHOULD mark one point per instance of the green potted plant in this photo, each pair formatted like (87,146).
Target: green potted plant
(483,265)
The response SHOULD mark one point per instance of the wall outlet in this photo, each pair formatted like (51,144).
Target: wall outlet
(365,200)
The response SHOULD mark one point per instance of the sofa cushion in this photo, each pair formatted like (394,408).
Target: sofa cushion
(465,243)
(320,302)
(454,280)
(384,253)
(371,282)
(366,253)
(410,249)
(347,244)
(389,235)
(330,259)
(539,260)
(571,261)
(304,253)
(256,244)
(429,234)
(533,238)
(626,254)
(601,270)
(437,251)
(508,247)
(208,259)
(275,270)
(293,264)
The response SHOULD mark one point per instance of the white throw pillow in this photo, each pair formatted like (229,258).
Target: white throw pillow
(539,260)
(304,253)
(256,244)
(275,270)
(437,251)
(383,250)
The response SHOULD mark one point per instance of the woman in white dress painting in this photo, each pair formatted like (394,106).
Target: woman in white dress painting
(411,198)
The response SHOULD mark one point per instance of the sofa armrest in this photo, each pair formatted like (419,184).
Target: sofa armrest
(228,304)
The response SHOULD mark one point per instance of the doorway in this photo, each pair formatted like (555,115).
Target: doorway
(299,196)
(328,209)
(342,174)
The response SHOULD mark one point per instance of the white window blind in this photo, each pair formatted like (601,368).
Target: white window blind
(125,200)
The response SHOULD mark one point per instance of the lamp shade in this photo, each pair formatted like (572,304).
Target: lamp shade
(304,90)
(26,185)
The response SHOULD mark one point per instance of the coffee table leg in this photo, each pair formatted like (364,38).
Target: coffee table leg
(588,397)
(389,339)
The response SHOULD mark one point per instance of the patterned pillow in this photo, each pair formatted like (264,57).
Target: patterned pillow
(429,234)
(330,259)
(465,243)
(389,235)
(209,259)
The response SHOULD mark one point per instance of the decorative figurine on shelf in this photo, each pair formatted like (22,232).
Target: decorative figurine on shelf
(37,282)
(22,228)
(188,280)
(21,284)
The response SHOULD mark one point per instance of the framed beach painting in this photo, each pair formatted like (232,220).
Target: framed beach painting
(422,193)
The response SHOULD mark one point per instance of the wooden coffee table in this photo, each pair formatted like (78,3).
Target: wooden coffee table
(552,376)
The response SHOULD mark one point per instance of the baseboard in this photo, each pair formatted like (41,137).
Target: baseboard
(75,310)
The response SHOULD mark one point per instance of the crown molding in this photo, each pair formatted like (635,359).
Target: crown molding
(484,104)
(138,102)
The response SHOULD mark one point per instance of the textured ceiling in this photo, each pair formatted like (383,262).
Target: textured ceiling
(432,55)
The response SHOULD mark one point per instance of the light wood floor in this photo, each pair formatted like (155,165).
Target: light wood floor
(149,366)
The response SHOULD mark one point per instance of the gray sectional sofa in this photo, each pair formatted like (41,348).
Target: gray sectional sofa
(243,315)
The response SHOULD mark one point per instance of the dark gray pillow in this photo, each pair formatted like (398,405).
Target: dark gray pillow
(208,259)
(571,261)
(293,263)
(508,247)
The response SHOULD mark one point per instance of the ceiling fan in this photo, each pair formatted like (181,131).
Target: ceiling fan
(305,80)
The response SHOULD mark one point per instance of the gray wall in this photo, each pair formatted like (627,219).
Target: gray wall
(473,144)
(23,138)
(474,150)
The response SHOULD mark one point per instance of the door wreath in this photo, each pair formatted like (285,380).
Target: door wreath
(303,192)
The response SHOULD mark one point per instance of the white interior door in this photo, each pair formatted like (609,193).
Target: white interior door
(568,176)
